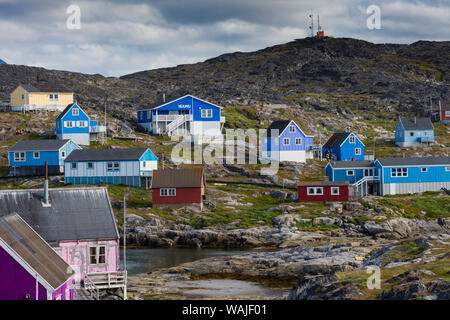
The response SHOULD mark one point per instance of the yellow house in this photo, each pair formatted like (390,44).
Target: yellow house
(27,97)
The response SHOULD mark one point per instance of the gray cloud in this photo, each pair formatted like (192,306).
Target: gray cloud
(119,37)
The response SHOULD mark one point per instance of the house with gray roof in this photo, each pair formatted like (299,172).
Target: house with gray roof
(52,97)
(344,146)
(414,132)
(28,157)
(78,223)
(132,167)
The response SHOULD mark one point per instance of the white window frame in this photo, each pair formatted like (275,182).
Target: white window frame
(38,155)
(297,139)
(168,192)
(310,191)
(334,189)
(90,163)
(82,124)
(288,141)
(55,97)
(97,255)
(357,151)
(447,169)
(447,114)
(425,133)
(63,154)
(20,156)
(115,166)
(352,139)
(50,96)
(73,165)
(66,124)
(321,191)
(206,113)
(350,175)
(368,172)
(399,172)
(75,112)
(424,169)
(292,129)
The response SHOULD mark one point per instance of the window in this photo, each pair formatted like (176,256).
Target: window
(90,165)
(399,172)
(298,141)
(75,111)
(447,113)
(447,169)
(73,165)
(423,169)
(335,191)
(144,164)
(314,191)
(350,172)
(411,134)
(291,129)
(19,156)
(352,139)
(55,97)
(425,134)
(113,166)
(286,141)
(36,155)
(63,154)
(82,124)
(368,172)
(206,113)
(50,97)
(97,255)
(23,96)
(357,151)
(167,192)
(68,124)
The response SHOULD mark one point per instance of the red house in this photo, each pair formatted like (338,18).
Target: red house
(443,115)
(325,191)
(173,188)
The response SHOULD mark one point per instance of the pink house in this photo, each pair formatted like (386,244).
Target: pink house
(78,223)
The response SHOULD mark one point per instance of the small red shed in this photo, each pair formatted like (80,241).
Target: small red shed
(325,191)
(173,188)
(443,115)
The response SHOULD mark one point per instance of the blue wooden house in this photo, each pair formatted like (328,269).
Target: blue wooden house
(344,146)
(187,115)
(28,157)
(73,123)
(413,175)
(286,141)
(414,132)
(132,167)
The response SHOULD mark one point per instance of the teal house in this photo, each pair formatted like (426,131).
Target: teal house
(414,132)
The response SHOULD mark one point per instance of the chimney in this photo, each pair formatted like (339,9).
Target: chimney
(164,98)
(46,202)
(415,119)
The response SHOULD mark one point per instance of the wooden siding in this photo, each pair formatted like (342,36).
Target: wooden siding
(326,196)
(16,97)
(41,98)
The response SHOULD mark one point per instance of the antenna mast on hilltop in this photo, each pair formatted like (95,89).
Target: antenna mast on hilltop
(312,23)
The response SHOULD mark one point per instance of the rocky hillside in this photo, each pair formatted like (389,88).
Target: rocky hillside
(336,72)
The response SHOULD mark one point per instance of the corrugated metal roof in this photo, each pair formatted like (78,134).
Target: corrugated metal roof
(45,88)
(322,183)
(352,164)
(32,249)
(106,154)
(177,178)
(74,214)
(336,140)
(415,161)
(38,145)
(417,124)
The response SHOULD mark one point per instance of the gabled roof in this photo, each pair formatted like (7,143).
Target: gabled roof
(33,251)
(337,139)
(39,145)
(281,125)
(177,178)
(416,124)
(322,183)
(414,161)
(351,164)
(69,106)
(106,154)
(44,88)
(74,213)
(160,104)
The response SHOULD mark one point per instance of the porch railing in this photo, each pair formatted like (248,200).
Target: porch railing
(108,280)
(90,287)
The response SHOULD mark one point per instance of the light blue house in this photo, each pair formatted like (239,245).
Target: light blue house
(28,157)
(414,132)
(132,167)
(287,142)
(73,123)
(184,116)
(413,175)
(344,146)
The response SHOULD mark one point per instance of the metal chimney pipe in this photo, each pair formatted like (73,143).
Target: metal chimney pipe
(46,202)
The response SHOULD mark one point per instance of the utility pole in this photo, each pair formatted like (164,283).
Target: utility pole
(125,245)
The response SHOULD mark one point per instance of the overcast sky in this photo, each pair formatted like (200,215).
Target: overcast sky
(120,37)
